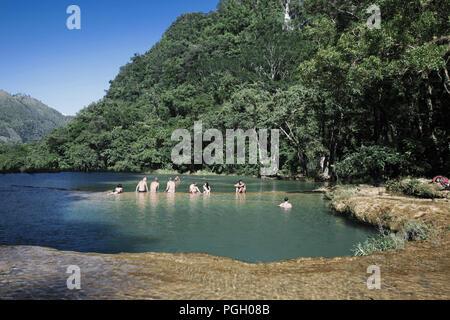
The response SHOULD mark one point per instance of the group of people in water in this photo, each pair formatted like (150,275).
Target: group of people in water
(171,187)
(142,187)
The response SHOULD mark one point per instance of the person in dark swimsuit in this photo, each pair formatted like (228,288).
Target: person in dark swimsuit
(240,187)
(142,186)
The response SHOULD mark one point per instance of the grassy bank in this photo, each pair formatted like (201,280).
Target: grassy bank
(404,211)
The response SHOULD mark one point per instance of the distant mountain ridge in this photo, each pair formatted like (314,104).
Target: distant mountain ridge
(24,119)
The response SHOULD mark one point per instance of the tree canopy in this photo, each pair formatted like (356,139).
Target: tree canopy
(349,100)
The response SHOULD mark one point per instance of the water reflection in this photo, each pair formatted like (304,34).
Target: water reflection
(154,200)
(141,200)
(194,199)
(206,199)
(241,197)
(171,202)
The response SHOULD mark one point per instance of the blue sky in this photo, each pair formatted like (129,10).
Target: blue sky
(69,69)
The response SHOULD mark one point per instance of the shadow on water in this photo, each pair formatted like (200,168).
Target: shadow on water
(33,187)
(2,236)
(302,192)
(44,222)
(83,237)
(355,223)
(91,237)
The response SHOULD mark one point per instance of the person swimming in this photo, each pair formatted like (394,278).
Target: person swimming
(171,186)
(142,186)
(206,188)
(118,190)
(241,187)
(193,189)
(154,186)
(286,204)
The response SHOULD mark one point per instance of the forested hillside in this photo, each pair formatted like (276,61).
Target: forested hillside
(24,119)
(354,102)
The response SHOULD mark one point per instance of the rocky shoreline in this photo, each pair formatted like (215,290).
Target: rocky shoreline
(421,271)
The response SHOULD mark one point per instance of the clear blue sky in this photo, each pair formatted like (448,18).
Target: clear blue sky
(69,69)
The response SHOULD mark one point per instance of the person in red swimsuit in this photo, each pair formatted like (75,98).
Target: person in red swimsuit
(193,189)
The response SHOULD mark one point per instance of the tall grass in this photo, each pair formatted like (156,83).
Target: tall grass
(388,240)
(416,231)
(384,241)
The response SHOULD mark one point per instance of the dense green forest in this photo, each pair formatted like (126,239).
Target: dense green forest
(350,101)
(24,119)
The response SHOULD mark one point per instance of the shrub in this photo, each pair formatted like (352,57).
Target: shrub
(342,191)
(125,166)
(384,241)
(374,163)
(416,231)
(412,187)
(388,240)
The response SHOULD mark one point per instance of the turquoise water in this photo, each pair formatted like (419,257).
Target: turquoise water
(73,212)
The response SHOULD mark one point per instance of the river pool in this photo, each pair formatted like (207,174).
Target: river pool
(73,212)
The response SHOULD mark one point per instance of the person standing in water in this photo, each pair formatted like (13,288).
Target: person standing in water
(177,180)
(193,189)
(171,186)
(142,186)
(206,188)
(286,204)
(154,186)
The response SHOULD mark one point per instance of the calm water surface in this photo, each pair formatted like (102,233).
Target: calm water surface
(73,212)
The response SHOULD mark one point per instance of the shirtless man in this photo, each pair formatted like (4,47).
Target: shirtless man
(286,204)
(240,187)
(171,186)
(154,186)
(193,189)
(142,186)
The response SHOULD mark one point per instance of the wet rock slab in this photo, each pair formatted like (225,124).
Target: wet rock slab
(420,272)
